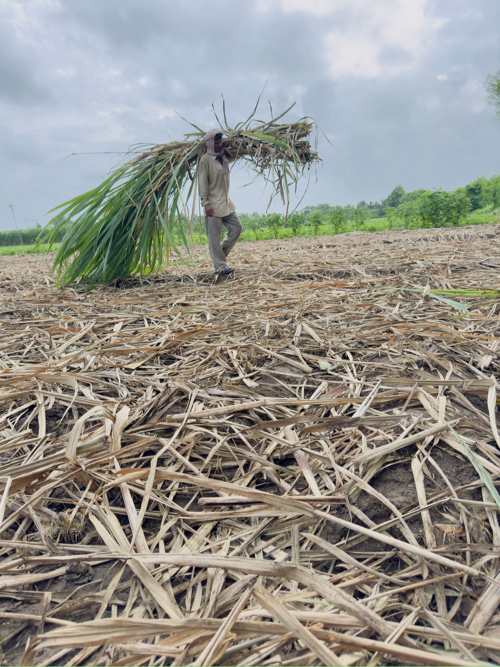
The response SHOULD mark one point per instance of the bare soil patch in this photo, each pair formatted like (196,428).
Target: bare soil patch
(296,465)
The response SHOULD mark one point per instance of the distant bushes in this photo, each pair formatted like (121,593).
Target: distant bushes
(418,208)
(19,236)
(482,192)
(28,236)
(438,208)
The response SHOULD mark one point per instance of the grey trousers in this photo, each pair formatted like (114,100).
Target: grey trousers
(213,227)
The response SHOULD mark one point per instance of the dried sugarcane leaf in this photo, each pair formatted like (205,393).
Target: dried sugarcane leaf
(206,490)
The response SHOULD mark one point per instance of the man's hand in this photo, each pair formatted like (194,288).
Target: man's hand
(209,211)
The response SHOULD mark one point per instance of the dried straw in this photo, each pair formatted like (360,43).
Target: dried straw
(298,465)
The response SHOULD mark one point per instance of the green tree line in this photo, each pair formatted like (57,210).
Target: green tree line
(29,236)
(418,208)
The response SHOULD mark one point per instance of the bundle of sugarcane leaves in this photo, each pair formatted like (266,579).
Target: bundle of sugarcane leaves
(130,222)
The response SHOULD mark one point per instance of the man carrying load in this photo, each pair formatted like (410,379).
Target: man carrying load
(213,182)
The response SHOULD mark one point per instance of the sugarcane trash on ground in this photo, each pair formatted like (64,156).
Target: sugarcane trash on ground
(298,467)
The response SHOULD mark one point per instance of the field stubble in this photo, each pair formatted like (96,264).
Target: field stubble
(295,466)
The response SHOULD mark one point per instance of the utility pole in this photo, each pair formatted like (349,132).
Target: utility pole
(15,222)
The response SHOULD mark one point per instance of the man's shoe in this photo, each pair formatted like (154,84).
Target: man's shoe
(226,272)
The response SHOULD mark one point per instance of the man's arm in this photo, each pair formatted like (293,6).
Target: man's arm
(203,187)
(203,182)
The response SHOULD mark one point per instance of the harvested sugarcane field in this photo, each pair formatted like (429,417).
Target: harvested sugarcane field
(296,464)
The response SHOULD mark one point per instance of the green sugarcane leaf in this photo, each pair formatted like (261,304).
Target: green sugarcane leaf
(450,302)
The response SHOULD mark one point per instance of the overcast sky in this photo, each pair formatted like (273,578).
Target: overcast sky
(396,85)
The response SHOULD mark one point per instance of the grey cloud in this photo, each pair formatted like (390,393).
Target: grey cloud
(21,153)
(179,41)
(112,73)
(18,77)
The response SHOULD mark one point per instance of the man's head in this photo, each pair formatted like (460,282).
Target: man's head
(218,143)
(213,142)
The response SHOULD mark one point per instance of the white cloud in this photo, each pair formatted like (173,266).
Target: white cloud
(64,73)
(315,7)
(380,39)
(298,90)
(363,37)
(26,16)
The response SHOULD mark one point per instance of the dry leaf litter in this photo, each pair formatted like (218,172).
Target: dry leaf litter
(295,466)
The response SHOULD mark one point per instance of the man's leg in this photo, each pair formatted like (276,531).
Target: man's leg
(213,227)
(234,228)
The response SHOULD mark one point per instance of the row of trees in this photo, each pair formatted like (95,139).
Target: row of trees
(340,218)
(27,236)
(435,208)
(481,192)
(418,208)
